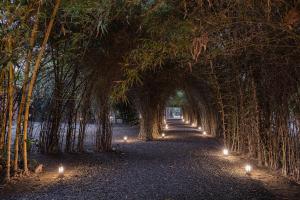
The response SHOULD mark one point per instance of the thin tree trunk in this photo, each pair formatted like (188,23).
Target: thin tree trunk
(10,113)
(104,133)
(84,107)
(33,80)
(71,110)
(220,103)
(256,123)
(3,117)
(24,89)
(71,128)
(81,134)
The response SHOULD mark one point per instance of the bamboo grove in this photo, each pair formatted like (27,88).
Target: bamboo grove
(67,64)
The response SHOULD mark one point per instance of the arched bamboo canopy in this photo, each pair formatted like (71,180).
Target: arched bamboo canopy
(70,62)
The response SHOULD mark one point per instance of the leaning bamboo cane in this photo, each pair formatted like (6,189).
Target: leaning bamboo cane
(3,115)
(24,88)
(10,113)
(33,80)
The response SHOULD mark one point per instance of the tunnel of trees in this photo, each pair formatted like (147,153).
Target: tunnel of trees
(72,62)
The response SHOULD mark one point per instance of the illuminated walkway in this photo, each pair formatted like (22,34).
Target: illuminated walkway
(184,165)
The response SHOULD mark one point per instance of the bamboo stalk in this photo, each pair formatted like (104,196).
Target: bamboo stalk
(3,117)
(33,80)
(10,113)
(24,88)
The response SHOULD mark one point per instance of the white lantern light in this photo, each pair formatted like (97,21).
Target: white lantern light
(61,170)
(225,152)
(166,127)
(200,128)
(125,138)
(182,119)
(163,135)
(248,169)
(194,124)
(204,133)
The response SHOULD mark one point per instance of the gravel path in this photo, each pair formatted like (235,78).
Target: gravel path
(184,165)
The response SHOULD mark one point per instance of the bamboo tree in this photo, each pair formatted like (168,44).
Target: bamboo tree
(24,87)
(86,101)
(10,113)
(219,102)
(4,109)
(33,80)
(71,110)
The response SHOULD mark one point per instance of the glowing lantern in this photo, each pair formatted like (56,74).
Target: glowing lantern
(166,127)
(61,171)
(248,169)
(204,133)
(194,124)
(125,138)
(200,128)
(163,135)
(225,152)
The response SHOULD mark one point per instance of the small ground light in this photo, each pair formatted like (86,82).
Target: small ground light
(125,138)
(204,133)
(225,152)
(248,169)
(199,128)
(163,135)
(166,127)
(182,119)
(194,124)
(61,171)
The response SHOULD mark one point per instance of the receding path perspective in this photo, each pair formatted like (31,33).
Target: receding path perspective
(183,165)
